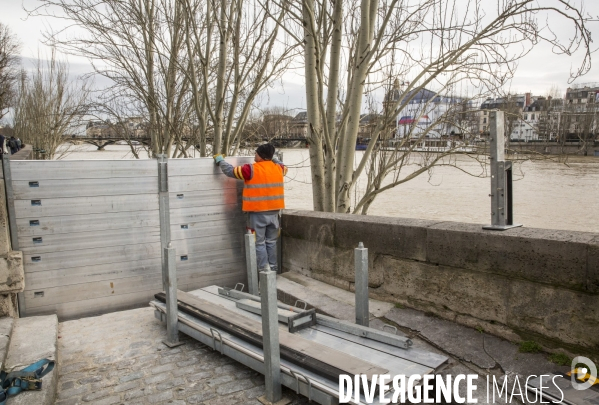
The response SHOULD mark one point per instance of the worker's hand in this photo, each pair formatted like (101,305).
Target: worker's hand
(218,158)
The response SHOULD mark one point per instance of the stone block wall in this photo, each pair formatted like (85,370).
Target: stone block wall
(520,284)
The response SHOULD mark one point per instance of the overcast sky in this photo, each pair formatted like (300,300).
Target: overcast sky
(537,72)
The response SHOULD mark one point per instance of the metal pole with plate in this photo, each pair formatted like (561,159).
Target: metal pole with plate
(361,285)
(270,336)
(501,177)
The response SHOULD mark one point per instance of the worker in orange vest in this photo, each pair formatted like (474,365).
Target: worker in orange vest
(263,198)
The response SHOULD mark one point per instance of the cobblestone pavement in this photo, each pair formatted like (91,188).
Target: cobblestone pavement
(119,358)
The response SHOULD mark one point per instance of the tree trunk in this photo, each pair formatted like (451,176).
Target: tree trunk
(348,146)
(314,134)
(220,79)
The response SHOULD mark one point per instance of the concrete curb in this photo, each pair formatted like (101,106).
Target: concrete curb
(33,339)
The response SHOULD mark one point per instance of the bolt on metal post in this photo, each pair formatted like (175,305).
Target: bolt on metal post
(250,262)
(172,328)
(361,285)
(270,335)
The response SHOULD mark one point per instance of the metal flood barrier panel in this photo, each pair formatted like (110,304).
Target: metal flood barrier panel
(90,231)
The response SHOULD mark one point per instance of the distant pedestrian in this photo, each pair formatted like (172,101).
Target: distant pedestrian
(18,144)
(12,145)
(2,139)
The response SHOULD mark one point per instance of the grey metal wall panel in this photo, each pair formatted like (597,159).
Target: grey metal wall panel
(200,215)
(51,207)
(193,230)
(202,166)
(60,242)
(216,182)
(84,187)
(90,231)
(82,223)
(29,170)
(92,273)
(205,198)
(76,258)
(78,309)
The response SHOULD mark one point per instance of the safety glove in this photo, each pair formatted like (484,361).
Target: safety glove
(218,158)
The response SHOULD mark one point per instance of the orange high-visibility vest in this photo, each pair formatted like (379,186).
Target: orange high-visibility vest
(264,192)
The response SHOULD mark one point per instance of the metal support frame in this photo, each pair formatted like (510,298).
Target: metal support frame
(501,177)
(172,330)
(361,285)
(164,212)
(270,335)
(250,263)
(241,352)
(12,218)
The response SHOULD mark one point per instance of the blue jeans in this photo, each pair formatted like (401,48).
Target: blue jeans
(266,226)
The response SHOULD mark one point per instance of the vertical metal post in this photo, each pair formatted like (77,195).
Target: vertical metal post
(172,329)
(164,212)
(10,202)
(12,218)
(501,199)
(361,285)
(250,262)
(270,335)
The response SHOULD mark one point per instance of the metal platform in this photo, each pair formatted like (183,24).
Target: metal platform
(355,344)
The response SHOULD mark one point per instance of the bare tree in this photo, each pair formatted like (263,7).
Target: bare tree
(161,54)
(9,68)
(351,48)
(252,55)
(48,106)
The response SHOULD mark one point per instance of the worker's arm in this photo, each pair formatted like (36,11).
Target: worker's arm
(244,172)
(277,161)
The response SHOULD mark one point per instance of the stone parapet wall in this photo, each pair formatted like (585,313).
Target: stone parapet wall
(523,283)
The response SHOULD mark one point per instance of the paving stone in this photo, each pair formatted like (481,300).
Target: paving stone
(234,386)
(162,396)
(130,377)
(95,395)
(140,392)
(126,386)
(107,401)
(255,392)
(89,380)
(163,368)
(158,378)
(213,382)
(200,398)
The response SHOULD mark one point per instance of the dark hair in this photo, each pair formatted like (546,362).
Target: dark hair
(266,151)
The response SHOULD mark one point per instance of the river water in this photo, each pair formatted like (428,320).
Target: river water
(547,194)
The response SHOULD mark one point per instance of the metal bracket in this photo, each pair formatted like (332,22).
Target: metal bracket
(220,338)
(242,287)
(301,320)
(304,302)
(297,374)
(393,328)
